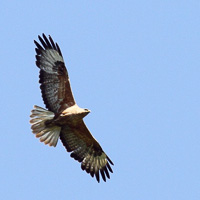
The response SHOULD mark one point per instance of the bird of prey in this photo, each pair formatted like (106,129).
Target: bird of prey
(63,118)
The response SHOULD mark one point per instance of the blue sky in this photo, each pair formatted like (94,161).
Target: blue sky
(135,65)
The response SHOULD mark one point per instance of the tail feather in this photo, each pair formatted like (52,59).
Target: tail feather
(47,134)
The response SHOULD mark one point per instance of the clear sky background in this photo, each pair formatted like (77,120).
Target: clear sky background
(136,66)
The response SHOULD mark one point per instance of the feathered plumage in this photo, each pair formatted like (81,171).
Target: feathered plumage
(64,118)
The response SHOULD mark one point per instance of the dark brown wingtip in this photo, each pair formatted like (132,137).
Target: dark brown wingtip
(52,43)
(38,45)
(103,175)
(110,161)
(109,167)
(37,64)
(42,42)
(43,35)
(107,173)
(58,48)
(38,51)
(97,176)
(47,41)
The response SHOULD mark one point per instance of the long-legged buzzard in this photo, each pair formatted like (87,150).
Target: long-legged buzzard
(64,118)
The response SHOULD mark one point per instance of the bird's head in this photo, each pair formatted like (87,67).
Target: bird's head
(86,111)
(83,112)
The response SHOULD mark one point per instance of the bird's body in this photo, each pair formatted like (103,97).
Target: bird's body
(70,116)
(64,118)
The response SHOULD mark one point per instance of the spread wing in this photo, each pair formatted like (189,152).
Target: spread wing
(86,150)
(54,79)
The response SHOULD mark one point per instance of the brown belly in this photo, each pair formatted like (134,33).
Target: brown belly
(71,120)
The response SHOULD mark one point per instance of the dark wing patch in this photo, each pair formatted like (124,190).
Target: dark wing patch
(86,149)
(54,79)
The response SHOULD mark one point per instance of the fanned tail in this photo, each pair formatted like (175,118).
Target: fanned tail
(47,134)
